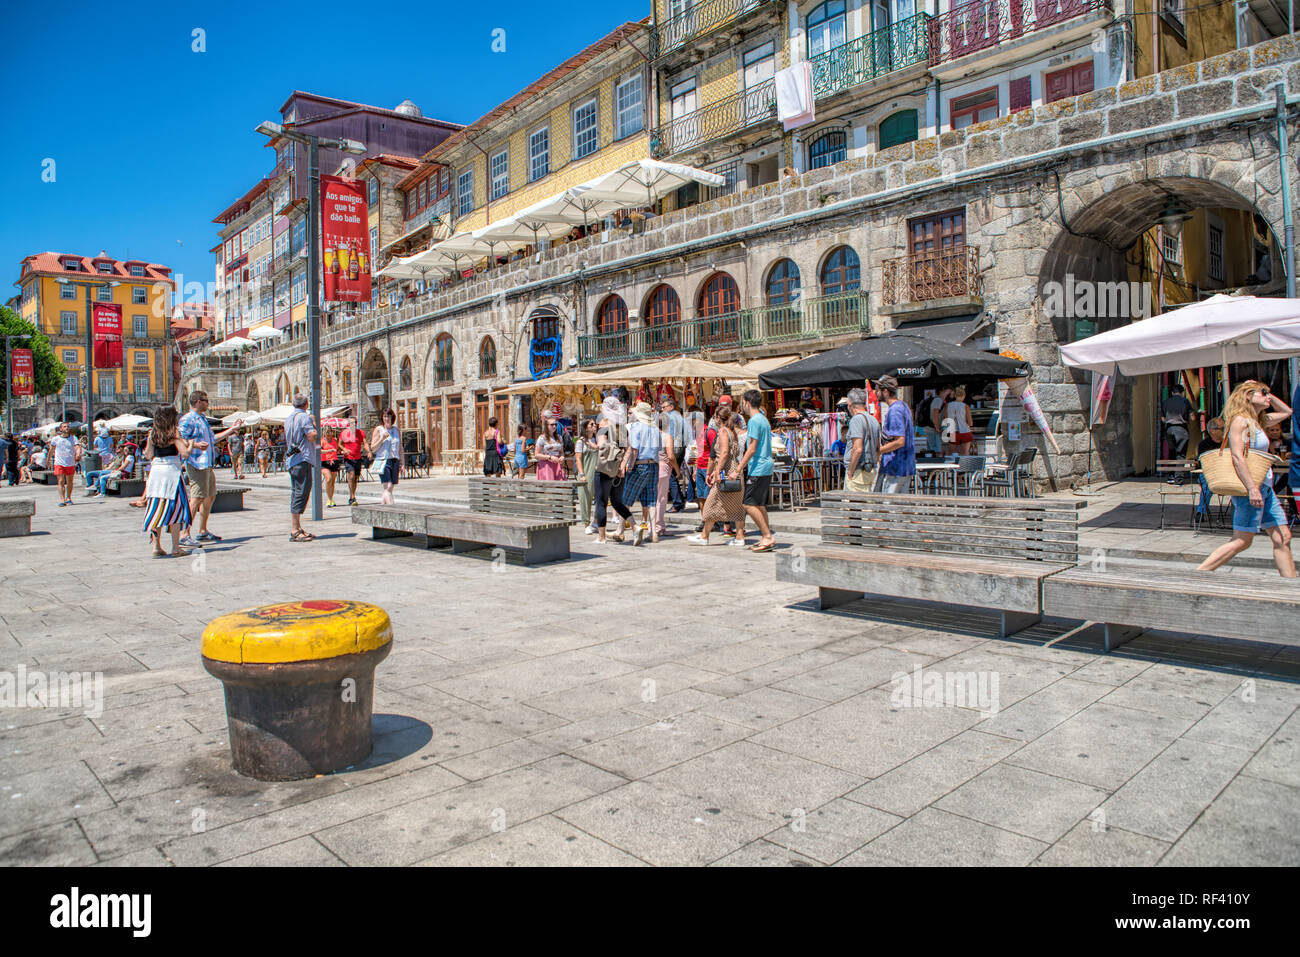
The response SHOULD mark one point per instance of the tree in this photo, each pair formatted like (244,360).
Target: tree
(50,372)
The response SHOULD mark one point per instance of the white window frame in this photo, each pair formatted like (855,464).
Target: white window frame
(104,293)
(67,291)
(465,192)
(629,114)
(139,295)
(137,382)
(372,192)
(499,178)
(104,268)
(108,382)
(70,357)
(137,271)
(70,387)
(678,92)
(541,156)
(140,327)
(750,59)
(140,358)
(589,133)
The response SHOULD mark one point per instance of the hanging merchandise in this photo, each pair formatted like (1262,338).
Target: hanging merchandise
(1020,388)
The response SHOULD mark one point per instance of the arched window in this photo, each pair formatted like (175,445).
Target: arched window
(825,27)
(901,127)
(611,329)
(830,147)
(282,393)
(840,273)
(487,358)
(442,359)
(547,344)
(329,387)
(719,301)
(404,377)
(840,279)
(663,316)
(782,283)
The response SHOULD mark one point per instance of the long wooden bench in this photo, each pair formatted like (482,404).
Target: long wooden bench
(1129,596)
(991,553)
(529,517)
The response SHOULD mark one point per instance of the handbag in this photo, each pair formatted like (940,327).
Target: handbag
(728,486)
(608,457)
(1222,478)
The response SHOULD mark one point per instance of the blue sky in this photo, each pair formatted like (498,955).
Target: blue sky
(150,140)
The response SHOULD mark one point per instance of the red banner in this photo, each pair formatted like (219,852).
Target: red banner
(23,366)
(107,320)
(345,240)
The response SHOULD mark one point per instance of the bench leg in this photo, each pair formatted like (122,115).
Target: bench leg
(458,546)
(1116,635)
(376,533)
(1014,621)
(551,545)
(431,542)
(834,597)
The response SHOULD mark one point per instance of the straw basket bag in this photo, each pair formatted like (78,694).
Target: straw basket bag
(1222,477)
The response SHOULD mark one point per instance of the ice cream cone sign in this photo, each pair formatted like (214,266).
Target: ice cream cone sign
(1022,390)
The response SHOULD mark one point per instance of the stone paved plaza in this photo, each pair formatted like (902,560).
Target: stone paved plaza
(667,705)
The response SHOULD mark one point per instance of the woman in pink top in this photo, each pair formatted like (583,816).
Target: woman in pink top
(549,450)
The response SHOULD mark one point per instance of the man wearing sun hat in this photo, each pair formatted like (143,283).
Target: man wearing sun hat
(641,466)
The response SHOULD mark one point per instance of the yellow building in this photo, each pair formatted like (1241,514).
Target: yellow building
(586,117)
(54,294)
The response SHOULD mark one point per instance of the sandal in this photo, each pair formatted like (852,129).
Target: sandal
(180,553)
(302,536)
(760,547)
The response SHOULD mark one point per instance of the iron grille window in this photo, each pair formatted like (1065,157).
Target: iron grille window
(830,147)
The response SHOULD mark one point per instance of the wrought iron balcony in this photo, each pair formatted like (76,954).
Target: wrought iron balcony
(723,118)
(981,24)
(927,276)
(872,55)
(799,320)
(697,20)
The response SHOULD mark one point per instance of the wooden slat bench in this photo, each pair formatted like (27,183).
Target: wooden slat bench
(523,516)
(1130,595)
(975,552)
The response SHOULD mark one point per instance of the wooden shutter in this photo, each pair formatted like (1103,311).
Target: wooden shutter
(1021,96)
(1083,78)
(1058,85)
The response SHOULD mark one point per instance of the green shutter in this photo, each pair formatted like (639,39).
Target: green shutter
(899,128)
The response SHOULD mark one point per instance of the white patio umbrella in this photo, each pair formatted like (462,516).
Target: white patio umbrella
(1216,331)
(528,227)
(578,206)
(414,267)
(1284,338)
(265,332)
(276,415)
(128,423)
(233,344)
(643,181)
(248,418)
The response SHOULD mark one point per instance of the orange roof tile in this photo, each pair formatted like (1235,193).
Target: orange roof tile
(51,264)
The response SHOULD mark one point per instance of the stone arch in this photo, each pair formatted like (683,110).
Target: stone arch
(374,368)
(1091,265)
(405,375)
(283,392)
(253,396)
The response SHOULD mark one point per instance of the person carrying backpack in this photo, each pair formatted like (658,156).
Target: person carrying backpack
(862,451)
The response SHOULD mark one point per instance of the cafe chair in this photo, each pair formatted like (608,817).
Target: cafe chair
(970,474)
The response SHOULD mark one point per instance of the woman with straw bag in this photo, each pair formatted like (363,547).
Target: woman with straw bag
(1251,408)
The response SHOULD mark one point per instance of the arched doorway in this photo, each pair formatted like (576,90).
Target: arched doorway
(282,393)
(1140,249)
(546,342)
(374,388)
(253,400)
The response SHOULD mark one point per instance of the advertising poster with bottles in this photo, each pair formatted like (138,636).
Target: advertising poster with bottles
(24,372)
(345,256)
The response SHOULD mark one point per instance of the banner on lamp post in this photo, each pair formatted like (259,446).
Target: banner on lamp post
(24,372)
(345,240)
(107,322)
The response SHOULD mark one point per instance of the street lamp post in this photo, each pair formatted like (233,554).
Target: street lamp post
(313,144)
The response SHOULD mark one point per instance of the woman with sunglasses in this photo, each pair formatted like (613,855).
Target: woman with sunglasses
(1251,409)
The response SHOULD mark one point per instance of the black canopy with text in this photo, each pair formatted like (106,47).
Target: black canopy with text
(902,355)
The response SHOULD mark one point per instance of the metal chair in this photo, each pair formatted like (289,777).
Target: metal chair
(1025,473)
(970,474)
(1003,480)
(782,483)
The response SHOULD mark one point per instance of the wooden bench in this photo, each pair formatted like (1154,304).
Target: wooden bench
(131,487)
(1129,596)
(16,516)
(974,552)
(528,517)
(44,477)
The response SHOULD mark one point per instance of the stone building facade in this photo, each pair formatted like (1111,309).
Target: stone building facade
(1048,193)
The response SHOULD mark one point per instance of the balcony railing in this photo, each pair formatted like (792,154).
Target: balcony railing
(872,55)
(808,319)
(697,20)
(980,24)
(723,118)
(924,277)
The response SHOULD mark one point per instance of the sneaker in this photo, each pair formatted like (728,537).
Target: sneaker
(640,535)
(738,543)
(697,540)
(188,542)
(91,493)
(589,530)
(208,537)
(654,534)
(61,504)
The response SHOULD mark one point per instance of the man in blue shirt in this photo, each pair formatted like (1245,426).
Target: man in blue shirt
(104,446)
(675,426)
(301,442)
(758,457)
(198,467)
(897,445)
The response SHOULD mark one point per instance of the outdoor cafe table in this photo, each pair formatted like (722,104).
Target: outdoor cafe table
(461,461)
(938,478)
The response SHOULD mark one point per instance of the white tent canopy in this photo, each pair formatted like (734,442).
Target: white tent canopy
(1284,338)
(644,181)
(248,418)
(1219,330)
(128,423)
(265,332)
(277,415)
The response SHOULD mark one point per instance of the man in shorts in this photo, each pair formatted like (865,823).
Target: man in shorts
(353,448)
(758,458)
(199,466)
(301,441)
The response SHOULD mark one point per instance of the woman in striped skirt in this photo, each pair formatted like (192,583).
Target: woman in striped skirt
(166,503)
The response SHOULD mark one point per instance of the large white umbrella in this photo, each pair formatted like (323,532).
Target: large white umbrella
(419,266)
(277,415)
(128,423)
(248,418)
(578,206)
(1216,331)
(233,344)
(265,332)
(643,181)
(528,227)
(1283,338)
